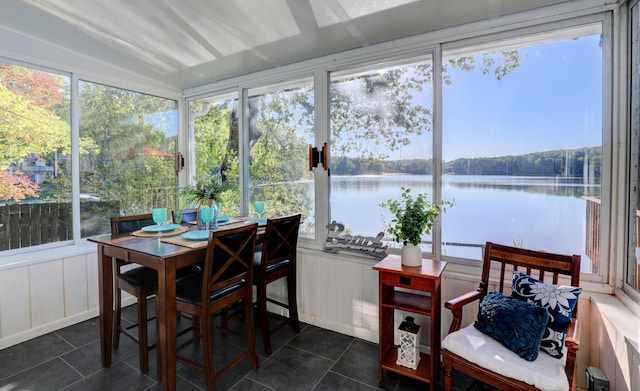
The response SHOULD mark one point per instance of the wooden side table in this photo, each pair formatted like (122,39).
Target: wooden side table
(419,280)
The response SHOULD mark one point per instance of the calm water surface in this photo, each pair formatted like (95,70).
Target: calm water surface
(537,213)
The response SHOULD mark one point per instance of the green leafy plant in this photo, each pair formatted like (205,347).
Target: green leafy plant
(209,188)
(412,217)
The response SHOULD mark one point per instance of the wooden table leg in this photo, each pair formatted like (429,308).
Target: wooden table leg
(166,318)
(105,292)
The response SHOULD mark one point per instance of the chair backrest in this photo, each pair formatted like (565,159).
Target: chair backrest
(229,261)
(128,224)
(280,241)
(541,265)
(188,215)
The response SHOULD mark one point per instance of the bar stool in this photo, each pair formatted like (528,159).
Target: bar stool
(277,260)
(141,282)
(226,280)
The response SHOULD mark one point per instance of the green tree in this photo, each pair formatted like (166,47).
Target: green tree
(28,125)
(133,161)
(377,110)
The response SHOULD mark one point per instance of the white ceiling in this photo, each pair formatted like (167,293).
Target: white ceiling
(181,44)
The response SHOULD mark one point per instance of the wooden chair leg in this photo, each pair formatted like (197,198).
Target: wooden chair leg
(264,318)
(158,363)
(143,338)
(251,336)
(117,314)
(293,302)
(448,375)
(207,350)
(195,324)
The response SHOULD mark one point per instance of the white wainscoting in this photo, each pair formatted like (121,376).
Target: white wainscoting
(45,296)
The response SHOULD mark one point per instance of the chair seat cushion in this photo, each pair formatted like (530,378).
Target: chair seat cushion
(189,289)
(546,373)
(144,277)
(518,325)
(257,260)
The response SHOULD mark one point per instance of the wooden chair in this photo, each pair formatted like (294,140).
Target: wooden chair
(141,282)
(277,260)
(502,260)
(226,279)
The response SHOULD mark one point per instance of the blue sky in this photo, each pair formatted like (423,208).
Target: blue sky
(553,100)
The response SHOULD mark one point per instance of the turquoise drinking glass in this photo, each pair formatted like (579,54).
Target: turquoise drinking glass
(206,215)
(259,207)
(159,216)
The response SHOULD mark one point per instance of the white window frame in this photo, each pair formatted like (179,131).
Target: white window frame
(517,25)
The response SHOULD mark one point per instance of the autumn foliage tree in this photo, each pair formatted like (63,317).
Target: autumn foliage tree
(28,125)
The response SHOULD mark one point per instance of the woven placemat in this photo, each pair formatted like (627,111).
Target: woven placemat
(180,241)
(144,234)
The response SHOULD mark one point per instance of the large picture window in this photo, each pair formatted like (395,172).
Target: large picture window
(522,144)
(280,126)
(381,122)
(127,165)
(35,158)
(214,126)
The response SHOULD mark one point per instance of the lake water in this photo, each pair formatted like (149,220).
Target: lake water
(544,213)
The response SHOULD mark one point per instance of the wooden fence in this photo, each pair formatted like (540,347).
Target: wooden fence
(32,224)
(592,238)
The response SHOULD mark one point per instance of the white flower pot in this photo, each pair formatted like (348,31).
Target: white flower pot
(411,255)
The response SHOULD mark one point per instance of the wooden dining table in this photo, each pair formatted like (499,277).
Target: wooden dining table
(164,253)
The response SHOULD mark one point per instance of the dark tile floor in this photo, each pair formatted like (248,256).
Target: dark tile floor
(315,359)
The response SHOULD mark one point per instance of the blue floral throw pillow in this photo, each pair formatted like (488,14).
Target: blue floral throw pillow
(516,324)
(559,300)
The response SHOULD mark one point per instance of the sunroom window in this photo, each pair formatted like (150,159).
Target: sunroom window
(214,128)
(522,149)
(280,121)
(381,139)
(128,142)
(35,158)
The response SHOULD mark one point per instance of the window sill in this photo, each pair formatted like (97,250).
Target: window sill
(46,255)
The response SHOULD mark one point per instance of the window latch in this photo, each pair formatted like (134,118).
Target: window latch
(318,157)
(179,162)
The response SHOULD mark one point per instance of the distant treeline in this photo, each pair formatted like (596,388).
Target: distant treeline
(570,163)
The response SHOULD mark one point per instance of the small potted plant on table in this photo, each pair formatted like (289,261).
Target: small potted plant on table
(412,217)
(206,193)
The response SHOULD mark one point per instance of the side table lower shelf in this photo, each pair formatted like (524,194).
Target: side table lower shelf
(409,290)
(422,373)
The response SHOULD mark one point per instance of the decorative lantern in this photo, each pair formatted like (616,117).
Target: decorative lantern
(408,351)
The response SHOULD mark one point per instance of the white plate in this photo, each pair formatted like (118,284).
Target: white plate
(163,228)
(196,235)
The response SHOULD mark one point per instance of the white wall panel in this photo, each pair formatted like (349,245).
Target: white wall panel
(346,294)
(47,293)
(369,299)
(452,288)
(313,276)
(14,301)
(75,285)
(92,280)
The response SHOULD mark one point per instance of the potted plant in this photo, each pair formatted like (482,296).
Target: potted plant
(206,191)
(412,217)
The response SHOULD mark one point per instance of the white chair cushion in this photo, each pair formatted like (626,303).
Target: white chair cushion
(546,373)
